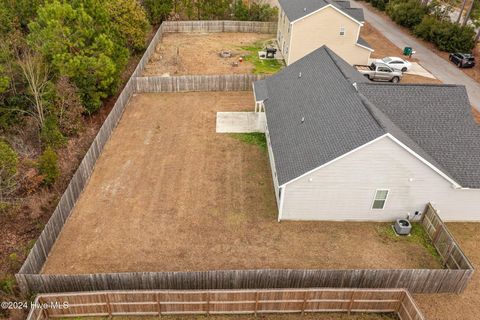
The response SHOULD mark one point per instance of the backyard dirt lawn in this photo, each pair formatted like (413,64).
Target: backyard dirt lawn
(170,194)
(199,53)
(463,306)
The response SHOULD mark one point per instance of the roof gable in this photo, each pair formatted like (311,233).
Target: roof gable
(438,121)
(298,9)
(300,146)
(320,108)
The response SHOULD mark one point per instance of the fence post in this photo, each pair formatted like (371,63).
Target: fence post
(109,307)
(256,302)
(159,305)
(208,303)
(351,302)
(304,302)
(43,311)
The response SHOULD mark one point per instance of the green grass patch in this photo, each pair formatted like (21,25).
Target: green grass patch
(261,66)
(417,235)
(254,138)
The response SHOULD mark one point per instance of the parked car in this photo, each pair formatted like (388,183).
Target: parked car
(462,60)
(397,64)
(379,72)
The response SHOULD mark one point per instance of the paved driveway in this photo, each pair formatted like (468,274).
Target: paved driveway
(441,69)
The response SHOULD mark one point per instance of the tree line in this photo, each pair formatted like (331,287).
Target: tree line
(433,21)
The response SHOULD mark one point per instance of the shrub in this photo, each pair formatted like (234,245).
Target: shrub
(48,167)
(7,284)
(263,12)
(8,160)
(70,107)
(379,4)
(8,171)
(157,11)
(50,134)
(447,36)
(407,13)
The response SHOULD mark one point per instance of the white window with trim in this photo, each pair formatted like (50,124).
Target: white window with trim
(342,31)
(380,199)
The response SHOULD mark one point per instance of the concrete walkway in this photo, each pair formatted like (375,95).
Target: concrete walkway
(240,122)
(440,68)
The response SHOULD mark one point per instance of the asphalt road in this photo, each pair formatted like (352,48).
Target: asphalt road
(440,68)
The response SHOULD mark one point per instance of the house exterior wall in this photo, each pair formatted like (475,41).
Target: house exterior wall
(344,189)
(323,28)
(283,33)
(272,165)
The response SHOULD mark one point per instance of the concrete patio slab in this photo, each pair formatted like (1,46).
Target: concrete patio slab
(240,122)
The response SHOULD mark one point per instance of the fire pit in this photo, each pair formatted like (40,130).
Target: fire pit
(225,54)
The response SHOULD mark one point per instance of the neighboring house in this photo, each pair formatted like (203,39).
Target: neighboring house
(344,148)
(306,25)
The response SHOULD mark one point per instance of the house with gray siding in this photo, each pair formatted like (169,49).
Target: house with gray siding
(344,148)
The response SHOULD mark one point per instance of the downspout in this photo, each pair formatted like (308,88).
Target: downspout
(282,197)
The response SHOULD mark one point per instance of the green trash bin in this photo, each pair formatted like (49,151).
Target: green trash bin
(407,51)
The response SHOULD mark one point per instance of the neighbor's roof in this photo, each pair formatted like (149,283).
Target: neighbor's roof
(260,90)
(296,9)
(432,120)
(363,42)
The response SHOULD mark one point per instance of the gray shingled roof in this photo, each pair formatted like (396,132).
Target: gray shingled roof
(296,9)
(260,90)
(438,119)
(432,120)
(324,98)
(363,42)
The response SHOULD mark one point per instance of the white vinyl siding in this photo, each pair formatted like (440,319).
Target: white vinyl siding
(272,165)
(344,189)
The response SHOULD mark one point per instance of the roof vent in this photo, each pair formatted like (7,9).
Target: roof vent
(304,9)
(355,86)
(303,119)
(300,75)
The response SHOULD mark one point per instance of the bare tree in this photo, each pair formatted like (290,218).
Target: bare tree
(469,12)
(8,186)
(464,3)
(36,73)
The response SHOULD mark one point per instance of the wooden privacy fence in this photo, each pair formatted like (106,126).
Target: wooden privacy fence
(231,82)
(158,303)
(446,245)
(220,26)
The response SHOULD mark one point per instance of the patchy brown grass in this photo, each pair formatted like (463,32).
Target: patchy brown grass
(463,306)
(198,53)
(168,193)
(383,47)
